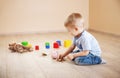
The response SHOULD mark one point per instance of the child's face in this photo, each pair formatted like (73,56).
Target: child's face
(73,30)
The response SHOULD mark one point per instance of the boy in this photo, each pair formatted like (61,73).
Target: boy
(89,51)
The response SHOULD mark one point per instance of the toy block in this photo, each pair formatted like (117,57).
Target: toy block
(67,43)
(47,45)
(55,45)
(24,43)
(59,42)
(36,47)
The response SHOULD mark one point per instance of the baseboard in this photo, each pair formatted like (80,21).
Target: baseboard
(102,32)
(34,32)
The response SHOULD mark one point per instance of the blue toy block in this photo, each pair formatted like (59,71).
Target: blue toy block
(59,42)
(47,47)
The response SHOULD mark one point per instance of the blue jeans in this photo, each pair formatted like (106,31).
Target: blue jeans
(90,59)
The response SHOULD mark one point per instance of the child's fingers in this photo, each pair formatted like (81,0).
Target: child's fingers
(60,58)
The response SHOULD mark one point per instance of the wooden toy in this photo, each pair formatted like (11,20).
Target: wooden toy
(14,47)
(44,54)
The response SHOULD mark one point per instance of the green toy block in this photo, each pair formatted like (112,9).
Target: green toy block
(47,44)
(24,43)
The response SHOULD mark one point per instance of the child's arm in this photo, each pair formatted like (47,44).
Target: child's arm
(83,53)
(74,55)
(72,47)
(61,56)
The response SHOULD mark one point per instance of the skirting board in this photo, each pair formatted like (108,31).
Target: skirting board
(102,32)
(33,32)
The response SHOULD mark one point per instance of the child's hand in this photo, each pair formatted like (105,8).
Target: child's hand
(70,56)
(60,57)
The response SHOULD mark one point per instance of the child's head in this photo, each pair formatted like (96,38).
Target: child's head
(74,24)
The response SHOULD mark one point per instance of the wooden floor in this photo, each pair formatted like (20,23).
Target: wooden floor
(33,65)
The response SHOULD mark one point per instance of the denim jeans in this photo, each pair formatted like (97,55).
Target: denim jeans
(90,59)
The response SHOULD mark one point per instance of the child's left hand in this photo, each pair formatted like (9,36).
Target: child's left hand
(70,56)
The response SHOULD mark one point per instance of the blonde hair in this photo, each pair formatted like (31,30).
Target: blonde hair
(75,19)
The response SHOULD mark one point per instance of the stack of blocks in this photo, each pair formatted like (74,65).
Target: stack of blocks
(67,43)
(47,45)
(54,54)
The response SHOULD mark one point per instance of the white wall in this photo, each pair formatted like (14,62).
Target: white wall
(33,16)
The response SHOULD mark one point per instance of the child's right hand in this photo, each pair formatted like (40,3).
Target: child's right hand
(60,57)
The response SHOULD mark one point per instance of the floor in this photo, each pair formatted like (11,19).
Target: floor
(34,65)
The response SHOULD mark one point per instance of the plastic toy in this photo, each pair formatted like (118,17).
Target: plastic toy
(67,43)
(54,55)
(24,43)
(36,47)
(55,45)
(47,45)
(59,42)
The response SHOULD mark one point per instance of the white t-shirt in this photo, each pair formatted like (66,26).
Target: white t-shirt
(87,42)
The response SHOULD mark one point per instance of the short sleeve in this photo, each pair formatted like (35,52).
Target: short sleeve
(74,41)
(85,43)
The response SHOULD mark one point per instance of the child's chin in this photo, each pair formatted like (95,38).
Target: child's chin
(73,35)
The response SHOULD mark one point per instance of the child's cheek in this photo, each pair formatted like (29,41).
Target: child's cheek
(72,34)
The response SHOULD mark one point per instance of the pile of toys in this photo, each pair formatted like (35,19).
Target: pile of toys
(21,48)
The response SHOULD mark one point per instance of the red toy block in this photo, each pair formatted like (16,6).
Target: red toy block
(36,47)
(55,45)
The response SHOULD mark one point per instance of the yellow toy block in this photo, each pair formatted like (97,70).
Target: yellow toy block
(67,43)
